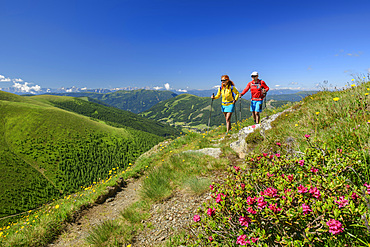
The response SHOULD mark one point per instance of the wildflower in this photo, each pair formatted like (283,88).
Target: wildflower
(271,192)
(251,211)
(237,168)
(336,99)
(290,178)
(335,227)
(278,143)
(317,113)
(366,94)
(264,154)
(218,199)
(302,189)
(342,202)
(353,80)
(314,170)
(277,155)
(270,175)
(210,238)
(368,188)
(56,206)
(301,162)
(211,211)
(306,209)
(307,136)
(242,186)
(353,85)
(245,221)
(251,200)
(315,192)
(274,208)
(355,196)
(241,240)
(211,186)
(261,203)
(254,239)
(196,218)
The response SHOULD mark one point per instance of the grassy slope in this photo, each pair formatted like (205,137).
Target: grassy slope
(135,101)
(45,150)
(190,110)
(109,115)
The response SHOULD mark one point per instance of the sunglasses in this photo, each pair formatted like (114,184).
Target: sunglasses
(224,80)
(254,75)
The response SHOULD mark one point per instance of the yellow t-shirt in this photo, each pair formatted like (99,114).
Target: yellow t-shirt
(227,95)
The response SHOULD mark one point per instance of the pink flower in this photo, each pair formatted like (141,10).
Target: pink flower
(219,199)
(302,189)
(245,221)
(251,200)
(315,192)
(290,178)
(301,162)
(335,227)
(307,136)
(237,168)
(342,202)
(242,186)
(210,238)
(274,208)
(306,209)
(271,156)
(314,170)
(196,218)
(254,239)
(211,211)
(251,211)
(211,186)
(355,196)
(261,203)
(270,191)
(264,154)
(270,175)
(241,240)
(277,155)
(368,188)
(287,190)
(278,143)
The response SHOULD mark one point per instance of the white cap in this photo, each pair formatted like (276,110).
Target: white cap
(254,73)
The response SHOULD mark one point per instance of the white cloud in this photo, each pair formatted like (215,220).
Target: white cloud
(69,90)
(157,88)
(18,80)
(293,83)
(3,79)
(182,90)
(167,86)
(25,87)
(84,88)
(277,85)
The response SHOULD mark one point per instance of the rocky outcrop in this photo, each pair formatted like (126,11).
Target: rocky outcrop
(214,152)
(240,146)
(111,191)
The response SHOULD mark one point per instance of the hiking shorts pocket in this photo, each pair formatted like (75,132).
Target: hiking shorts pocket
(256,105)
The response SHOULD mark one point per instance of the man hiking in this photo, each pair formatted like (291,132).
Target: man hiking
(258,90)
(229,96)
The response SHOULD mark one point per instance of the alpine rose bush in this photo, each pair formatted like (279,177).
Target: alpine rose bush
(295,207)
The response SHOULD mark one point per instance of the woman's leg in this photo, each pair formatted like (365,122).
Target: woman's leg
(228,118)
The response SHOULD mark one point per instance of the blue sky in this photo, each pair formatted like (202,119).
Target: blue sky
(185,43)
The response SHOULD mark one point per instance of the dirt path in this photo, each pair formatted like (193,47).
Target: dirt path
(75,234)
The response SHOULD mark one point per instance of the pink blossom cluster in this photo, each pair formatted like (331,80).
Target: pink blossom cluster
(242,185)
(270,175)
(314,170)
(307,136)
(251,200)
(290,178)
(241,240)
(261,203)
(251,211)
(196,218)
(244,221)
(355,196)
(278,143)
(301,162)
(219,199)
(368,188)
(274,208)
(270,191)
(315,192)
(335,227)
(237,168)
(302,189)
(306,209)
(211,211)
(342,202)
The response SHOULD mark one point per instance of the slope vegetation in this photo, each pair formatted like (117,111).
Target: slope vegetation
(46,151)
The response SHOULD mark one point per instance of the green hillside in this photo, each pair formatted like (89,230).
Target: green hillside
(134,101)
(110,115)
(192,111)
(46,151)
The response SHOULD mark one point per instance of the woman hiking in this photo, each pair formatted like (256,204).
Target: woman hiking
(258,90)
(229,96)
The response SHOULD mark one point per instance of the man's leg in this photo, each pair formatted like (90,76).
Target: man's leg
(257,119)
(254,116)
